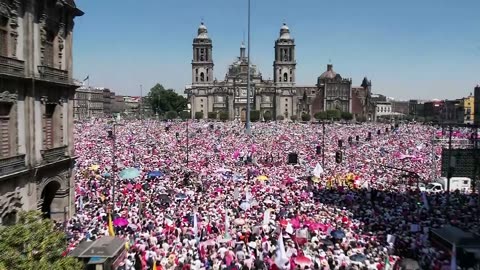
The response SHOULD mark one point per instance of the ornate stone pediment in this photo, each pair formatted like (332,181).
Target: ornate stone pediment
(8,97)
(10,202)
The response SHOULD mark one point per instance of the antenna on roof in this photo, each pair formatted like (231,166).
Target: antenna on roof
(243,37)
(329,61)
(201,20)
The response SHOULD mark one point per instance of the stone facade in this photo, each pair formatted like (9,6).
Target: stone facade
(90,102)
(36,107)
(278,97)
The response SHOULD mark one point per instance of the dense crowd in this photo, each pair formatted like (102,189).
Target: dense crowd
(215,198)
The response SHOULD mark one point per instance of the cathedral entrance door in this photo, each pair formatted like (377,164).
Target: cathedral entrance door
(243,115)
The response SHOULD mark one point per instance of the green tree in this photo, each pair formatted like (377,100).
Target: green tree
(362,119)
(34,243)
(267,116)
(184,115)
(171,115)
(223,116)
(163,100)
(212,115)
(333,114)
(199,115)
(346,116)
(254,115)
(306,117)
(320,115)
(293,118)
(280,117)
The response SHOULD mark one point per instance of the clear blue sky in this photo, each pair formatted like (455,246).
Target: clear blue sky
(409,48)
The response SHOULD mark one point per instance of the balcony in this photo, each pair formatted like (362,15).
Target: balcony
(54,154)
(12,67)
(12,165)
(219,105)
(53,74)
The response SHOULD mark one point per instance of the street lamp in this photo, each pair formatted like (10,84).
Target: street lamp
(247,126)
(114,161)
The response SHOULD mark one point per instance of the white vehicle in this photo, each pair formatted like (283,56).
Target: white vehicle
(463,184)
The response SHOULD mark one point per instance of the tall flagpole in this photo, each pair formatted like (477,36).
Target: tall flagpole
(248,131)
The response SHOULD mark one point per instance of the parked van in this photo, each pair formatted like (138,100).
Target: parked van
(463,184)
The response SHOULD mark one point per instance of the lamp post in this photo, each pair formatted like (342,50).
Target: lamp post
(247,126)
(323,144)
(188,150)
(114,161)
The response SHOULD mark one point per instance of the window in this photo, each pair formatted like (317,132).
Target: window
(4,129)
(3,42)
(48,126)
(206,56)
(202,77)
(201,105)
(201,100)
(48,55)
(286,100)
(285,77)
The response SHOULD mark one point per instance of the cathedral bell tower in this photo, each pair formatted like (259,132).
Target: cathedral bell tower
(284,64)
(202,63)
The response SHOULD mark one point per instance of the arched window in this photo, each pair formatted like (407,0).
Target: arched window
(285,77)
(202,77)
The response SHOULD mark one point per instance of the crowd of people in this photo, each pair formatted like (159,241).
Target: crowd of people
(208,196)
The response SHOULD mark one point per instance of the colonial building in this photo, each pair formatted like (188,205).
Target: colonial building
(278,97)
(36,107)
(89,102)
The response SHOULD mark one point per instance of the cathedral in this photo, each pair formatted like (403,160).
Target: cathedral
(278,97)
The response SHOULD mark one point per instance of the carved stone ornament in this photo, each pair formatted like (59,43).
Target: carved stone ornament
(7,97)
(44,99)
(43,36)
(61,44)
(62,100)
(13,26)
(10,202)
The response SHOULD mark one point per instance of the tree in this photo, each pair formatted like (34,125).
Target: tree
(293,118)
(320,115)
(333,114)
(223,116)
(280,117)
(212,115)
(306,117)
(34,243)
(362,119)
(346,116)
(184,115)
(171,115)
(199,115)
(254,115)
(162,100)
(267,116)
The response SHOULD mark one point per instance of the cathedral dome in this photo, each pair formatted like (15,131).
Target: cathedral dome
(202,31)
(329,74)
(285,32)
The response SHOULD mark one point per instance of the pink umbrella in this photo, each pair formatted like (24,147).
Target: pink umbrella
(120,222)
(303,261)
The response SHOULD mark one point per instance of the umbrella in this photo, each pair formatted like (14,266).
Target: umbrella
(244,206)
(262,178)
(129,173)
(408,264)
(155,174)
(120,222)
(94,167)
(239,221)
(326,242)
(338,234)
(133,227)
(181,196)
(303,261)
(358,258)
